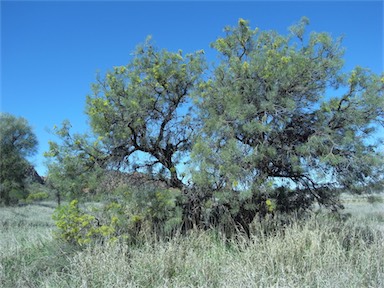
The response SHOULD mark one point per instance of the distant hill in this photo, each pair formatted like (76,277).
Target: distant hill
(32,175)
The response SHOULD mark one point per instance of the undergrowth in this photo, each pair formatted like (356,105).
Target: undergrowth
(320,251)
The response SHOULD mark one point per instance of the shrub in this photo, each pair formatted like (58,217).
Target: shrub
(131,215)
(150,208)
(38,196)
(79,228)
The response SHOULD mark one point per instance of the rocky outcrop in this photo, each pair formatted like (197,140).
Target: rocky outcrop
(32,176)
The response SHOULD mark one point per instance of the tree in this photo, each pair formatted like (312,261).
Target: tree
(265,129)
(269,120)
(75,165)
(145,107)
(17,143)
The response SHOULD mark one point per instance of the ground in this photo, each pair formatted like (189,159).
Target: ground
(319,253)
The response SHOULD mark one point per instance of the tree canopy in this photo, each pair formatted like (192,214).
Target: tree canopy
(145,106)
(17,142)
(280,110)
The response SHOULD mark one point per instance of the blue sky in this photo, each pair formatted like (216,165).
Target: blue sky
(51,51)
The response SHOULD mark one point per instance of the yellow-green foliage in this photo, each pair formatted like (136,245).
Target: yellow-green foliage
(271,205)
(80,228)
(135,213)
(37,197)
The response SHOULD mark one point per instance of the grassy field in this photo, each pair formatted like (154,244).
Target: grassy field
(320,252)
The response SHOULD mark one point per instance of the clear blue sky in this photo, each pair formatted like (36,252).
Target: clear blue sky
(51,51)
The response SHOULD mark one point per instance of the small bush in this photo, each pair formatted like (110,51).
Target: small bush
(150,209)
(79,228)
(39,196)
(131,215)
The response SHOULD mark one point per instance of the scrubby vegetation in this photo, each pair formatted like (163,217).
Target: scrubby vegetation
(319,251)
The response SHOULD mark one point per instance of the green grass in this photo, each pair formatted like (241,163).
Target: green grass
(28,250)
(320,252)
(364,210)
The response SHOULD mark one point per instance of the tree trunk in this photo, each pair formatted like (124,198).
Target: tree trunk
(175,181)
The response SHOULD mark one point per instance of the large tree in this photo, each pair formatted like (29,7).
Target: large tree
(280,125)
(279,111)
(17,142)
(145,107)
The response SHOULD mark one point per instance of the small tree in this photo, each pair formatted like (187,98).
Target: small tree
(17,142)
(268,120)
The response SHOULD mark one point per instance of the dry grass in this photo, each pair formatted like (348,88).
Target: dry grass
(320,252)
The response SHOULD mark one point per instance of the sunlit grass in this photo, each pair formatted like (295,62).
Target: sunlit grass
(28,250)
(305,255)
(364,210)
(24,226)
(318,252)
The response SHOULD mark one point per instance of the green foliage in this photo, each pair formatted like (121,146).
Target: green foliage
(263,134)
(39,196)
(131,215)
(266,118)
(162,212)
(17,142)
(74,166)
(38,192)
(79,228)
(145,107)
